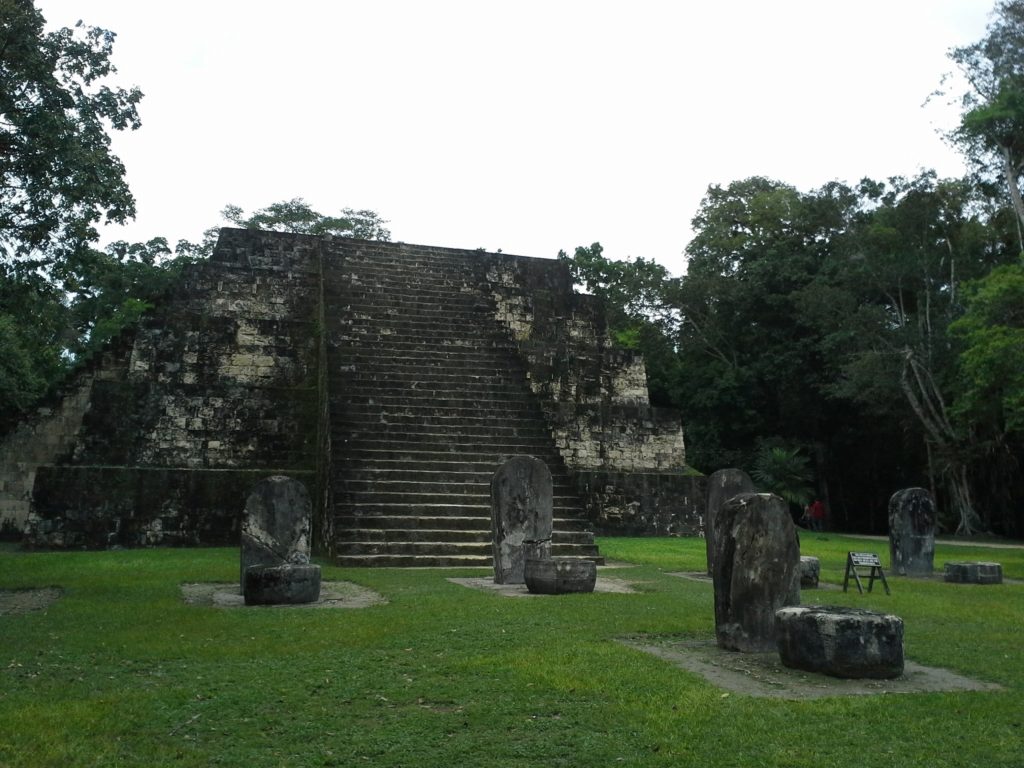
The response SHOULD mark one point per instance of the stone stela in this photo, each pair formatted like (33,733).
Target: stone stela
(722,486)
(756,571)
(275,565)
(869,560)
(912,532)
(521,517)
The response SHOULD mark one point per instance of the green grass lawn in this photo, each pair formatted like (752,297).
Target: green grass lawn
(121,672)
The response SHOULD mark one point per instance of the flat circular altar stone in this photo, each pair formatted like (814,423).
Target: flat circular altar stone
(560,575)
(840,641)
(281,584)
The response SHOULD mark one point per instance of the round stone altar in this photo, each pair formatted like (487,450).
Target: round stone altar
(560,575)
(840,641)
(281,584)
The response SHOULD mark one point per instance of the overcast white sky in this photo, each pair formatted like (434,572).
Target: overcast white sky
(528,126)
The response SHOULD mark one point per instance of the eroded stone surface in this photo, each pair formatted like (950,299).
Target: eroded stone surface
(973,573)
(810,572)
(840,641)
(722,486)
(560,575)
(276,524)
(521,516)
(912,532)
(756,570)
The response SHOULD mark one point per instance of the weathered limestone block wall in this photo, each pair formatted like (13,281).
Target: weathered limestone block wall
(218,388)
(42,439)
(595,398)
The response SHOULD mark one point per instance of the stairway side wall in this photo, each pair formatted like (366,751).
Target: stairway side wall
(628,456)
(218,389)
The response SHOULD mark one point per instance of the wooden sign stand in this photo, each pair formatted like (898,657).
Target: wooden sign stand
(855,560)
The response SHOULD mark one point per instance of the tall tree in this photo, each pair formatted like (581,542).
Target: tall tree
(58,177)
(991,129)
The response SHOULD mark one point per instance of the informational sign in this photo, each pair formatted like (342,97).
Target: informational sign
(869,560)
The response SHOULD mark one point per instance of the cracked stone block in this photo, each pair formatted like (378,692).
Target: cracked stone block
(840,641)
(522,510)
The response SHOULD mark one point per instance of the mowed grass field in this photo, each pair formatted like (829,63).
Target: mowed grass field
(121,672)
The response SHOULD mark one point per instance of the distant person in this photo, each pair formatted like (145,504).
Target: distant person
(817,515)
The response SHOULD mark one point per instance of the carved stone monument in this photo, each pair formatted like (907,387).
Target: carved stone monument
(912,532)
(521,517)
(722,486)
(756,570)
(839,641)
(275,565)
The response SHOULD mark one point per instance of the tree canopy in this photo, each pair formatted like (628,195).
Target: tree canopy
(58,177)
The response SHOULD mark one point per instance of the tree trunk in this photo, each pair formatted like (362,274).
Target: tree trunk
(1011,173)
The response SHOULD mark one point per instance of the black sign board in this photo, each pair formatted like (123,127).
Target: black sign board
(855,560)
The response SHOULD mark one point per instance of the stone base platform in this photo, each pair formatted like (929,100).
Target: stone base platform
(763,674)
(333,594)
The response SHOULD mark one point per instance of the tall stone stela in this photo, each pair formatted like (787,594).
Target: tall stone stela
(912,520)
(722,486)
(275,550)
(756,571)
(522,510)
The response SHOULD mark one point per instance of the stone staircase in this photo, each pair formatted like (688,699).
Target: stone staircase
(427,397)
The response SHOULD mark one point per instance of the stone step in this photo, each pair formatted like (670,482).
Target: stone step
(481,535)
(428,410)
(445,548)
(398,392)
(426,477)
(562,525)
(403,347)
(386,303)
(390,398)
(431,272)
(430,382)
(458,430)
(347,446)
(439,463)
(411,490)
(375,297)
(566,516)
(428,272)
(416,356)
(425,561)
